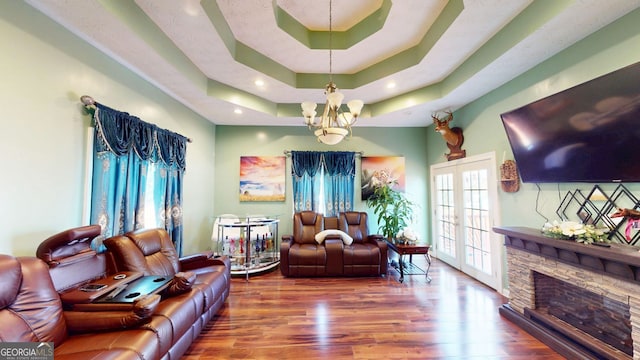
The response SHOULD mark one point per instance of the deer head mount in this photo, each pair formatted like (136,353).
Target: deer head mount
(453,136)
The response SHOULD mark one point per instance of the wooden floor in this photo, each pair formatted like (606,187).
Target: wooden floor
(453,317)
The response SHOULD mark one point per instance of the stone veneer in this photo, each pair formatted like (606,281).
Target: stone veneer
(581,265)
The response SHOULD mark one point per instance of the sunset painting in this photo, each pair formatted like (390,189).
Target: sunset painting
(380,170)
(262,178)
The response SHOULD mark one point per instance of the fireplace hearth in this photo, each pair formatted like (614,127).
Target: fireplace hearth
(581,300)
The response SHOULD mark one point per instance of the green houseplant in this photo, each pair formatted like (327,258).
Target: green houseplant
(393,209)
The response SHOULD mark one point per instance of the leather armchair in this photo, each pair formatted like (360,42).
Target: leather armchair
(300,254)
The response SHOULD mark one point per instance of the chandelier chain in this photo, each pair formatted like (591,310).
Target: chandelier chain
(333,125)
(330,41)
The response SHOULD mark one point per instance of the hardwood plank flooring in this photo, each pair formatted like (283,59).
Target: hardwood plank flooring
(453,317)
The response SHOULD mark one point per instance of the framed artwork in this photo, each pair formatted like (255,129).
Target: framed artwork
(262,178)
(379,170)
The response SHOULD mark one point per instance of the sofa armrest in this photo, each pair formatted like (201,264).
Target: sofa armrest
(181,283)
(196,257)
(92,321)
(334,247)
(285,245)
(197,261)
(376,237)
(380,242)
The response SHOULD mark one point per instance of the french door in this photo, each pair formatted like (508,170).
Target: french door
(465,205)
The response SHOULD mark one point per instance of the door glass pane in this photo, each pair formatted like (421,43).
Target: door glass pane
(445,209)
(476,220)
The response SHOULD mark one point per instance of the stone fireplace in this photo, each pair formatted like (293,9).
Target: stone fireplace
(581,300)
(597,315)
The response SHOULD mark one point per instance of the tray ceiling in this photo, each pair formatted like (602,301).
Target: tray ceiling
(406,59)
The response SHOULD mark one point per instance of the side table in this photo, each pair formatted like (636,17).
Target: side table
(402,249)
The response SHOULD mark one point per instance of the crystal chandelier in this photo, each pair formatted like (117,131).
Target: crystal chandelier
(334,124)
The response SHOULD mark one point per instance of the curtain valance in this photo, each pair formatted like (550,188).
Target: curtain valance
(118,132)
(340,163)
(333,162)
(323,181)
(305,162)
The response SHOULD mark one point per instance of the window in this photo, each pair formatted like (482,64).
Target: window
(323,181)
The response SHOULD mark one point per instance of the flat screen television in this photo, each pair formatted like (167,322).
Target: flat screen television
(587,133)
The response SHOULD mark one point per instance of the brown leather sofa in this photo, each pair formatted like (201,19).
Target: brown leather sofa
(351,251)
(42,302)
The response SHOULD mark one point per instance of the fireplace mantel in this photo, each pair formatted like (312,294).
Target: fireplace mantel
(618,260)
(612,272)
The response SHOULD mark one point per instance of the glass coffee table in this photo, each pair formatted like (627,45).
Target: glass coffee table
(410,249)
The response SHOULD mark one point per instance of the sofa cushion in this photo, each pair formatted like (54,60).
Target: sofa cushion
(160,252)
(355,224)
(139,344)
(175,317)
(131,253)
(213,285)
(306,225)
(362,259)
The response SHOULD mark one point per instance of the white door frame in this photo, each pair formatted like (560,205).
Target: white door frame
(497,251)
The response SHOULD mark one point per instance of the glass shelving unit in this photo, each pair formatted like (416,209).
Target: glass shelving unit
(251,243)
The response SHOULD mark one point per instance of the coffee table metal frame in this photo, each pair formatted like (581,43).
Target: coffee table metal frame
(406,249)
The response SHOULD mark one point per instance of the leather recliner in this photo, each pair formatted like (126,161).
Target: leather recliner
(367,255)
(302,255)
(152,252)
(31,311)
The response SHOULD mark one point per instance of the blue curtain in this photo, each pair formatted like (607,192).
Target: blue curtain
(339,178)
(137,176)
(305,166)
(335,171)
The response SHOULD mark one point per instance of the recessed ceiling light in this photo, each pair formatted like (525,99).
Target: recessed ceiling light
(192,8)
(259,83)
(237,111)
(391,85)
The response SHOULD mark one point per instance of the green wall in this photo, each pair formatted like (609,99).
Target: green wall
(45,69)
(609,49)
(235,141)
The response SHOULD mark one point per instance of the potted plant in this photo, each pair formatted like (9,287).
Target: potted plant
(393,209)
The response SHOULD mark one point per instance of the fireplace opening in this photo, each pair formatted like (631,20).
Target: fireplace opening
(603,318)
